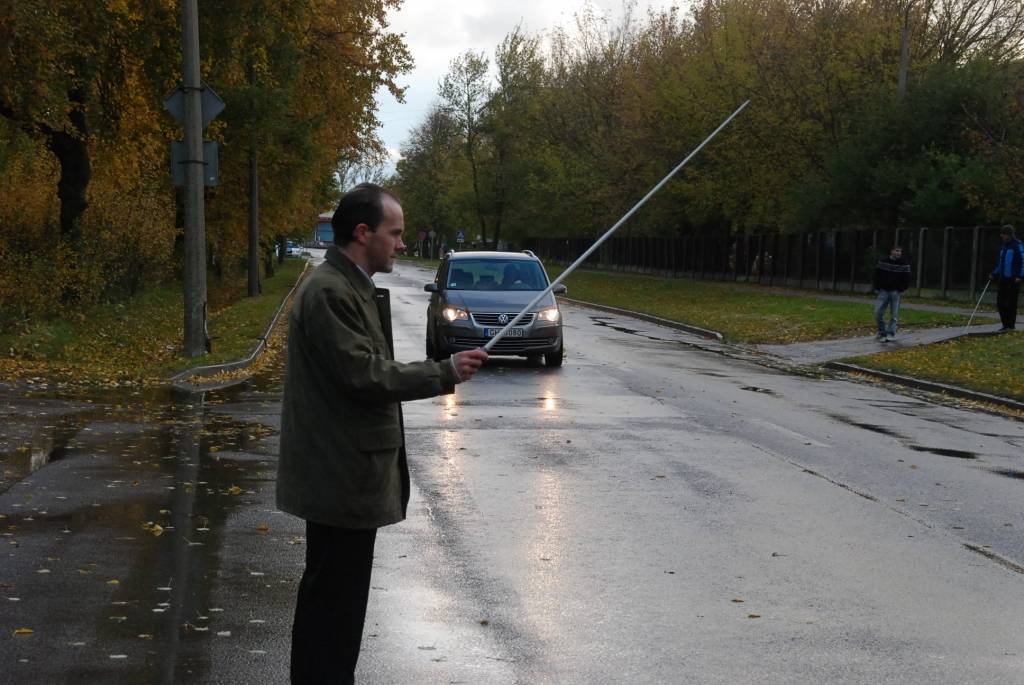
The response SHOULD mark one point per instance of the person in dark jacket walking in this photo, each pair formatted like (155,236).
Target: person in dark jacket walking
(342,461)
(892,277)
(1008,274)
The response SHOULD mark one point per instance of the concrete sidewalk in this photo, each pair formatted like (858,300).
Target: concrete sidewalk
(818,352)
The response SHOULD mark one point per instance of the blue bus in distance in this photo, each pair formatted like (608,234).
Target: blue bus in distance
(324,233)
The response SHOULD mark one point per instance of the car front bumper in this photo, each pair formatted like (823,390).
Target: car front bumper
(536,338)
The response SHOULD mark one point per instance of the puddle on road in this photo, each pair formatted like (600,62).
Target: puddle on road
(1009,473)
(47,444)
(873,427)
(895,404)
(604,321)
(709,372)
(945,452)
(754,388)
(132,521)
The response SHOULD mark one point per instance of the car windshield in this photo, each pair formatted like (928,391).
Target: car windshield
(495,274)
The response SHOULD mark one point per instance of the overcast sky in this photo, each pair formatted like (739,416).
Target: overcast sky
(437,31)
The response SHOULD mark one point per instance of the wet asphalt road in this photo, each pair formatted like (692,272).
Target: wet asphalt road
(653,512)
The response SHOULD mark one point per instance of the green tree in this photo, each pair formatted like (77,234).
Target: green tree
(424,174)
(465,91)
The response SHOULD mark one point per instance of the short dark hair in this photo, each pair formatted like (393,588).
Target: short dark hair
(1007,229)
(363,204)
(896,247)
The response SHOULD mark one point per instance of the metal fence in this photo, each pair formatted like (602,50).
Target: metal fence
(950,262)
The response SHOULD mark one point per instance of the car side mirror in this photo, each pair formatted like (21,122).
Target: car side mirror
(560,289)
(430,288)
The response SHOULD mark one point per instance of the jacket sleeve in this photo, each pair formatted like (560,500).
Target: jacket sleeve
(345,349)
(1020,255)
(905,278)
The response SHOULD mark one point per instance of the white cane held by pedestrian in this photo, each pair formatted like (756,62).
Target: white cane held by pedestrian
(983,290)
(610,231)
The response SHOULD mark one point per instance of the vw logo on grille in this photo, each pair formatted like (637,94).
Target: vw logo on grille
(502,318)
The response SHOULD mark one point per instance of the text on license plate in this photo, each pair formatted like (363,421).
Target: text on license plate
(512,332)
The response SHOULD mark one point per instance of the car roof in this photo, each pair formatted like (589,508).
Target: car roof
(455,256)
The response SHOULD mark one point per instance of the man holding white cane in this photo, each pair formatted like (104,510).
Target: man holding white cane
(342,458)
(1008,273)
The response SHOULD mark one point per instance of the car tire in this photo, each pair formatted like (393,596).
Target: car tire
(554,359)
(429,344)
(435,350)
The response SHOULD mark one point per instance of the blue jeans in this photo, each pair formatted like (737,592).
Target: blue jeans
(891,299)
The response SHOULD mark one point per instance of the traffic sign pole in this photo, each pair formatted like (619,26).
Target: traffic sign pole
(196,339)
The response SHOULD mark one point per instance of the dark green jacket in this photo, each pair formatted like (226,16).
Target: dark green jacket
(342,456)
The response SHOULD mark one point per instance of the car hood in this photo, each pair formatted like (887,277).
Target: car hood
(497,301)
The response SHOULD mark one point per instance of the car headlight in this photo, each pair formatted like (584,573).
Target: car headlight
(454,313)
(550,314)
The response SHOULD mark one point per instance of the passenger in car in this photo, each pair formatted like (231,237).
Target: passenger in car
(460,279)
(511,279)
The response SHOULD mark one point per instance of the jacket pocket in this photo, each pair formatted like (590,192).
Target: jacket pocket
(379,439)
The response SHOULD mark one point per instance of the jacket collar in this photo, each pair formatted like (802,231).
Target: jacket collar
(356,276)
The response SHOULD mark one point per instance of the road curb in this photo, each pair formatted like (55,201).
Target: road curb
(931,386)
(181,380)
(650,318)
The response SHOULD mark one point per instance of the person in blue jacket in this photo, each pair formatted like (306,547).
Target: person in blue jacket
(1008,274)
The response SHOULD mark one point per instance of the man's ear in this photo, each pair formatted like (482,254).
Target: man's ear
(359,233)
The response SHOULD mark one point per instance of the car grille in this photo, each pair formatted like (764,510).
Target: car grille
(505,345)
(491,319)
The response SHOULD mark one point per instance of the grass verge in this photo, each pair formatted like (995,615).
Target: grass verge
(741,313)
(990,364)
(139,341)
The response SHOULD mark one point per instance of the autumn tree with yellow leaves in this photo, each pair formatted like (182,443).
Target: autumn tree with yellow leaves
(87,209)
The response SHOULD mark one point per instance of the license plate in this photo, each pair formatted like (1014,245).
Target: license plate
(512,332)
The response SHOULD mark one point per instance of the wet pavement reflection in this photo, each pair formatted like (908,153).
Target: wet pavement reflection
(114,509)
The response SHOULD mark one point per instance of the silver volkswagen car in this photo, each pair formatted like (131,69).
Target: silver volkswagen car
(475,294)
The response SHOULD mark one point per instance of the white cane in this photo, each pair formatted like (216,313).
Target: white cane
(976,306)
(520,315)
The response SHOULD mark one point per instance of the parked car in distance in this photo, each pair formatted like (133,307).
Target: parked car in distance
(292,248)
(476,294)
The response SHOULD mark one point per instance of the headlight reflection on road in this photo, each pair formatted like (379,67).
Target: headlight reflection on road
(451,457)
(546,555)
(450,406)
(549,395)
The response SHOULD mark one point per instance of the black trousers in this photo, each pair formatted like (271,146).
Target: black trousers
(331,607)
(1006,302)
